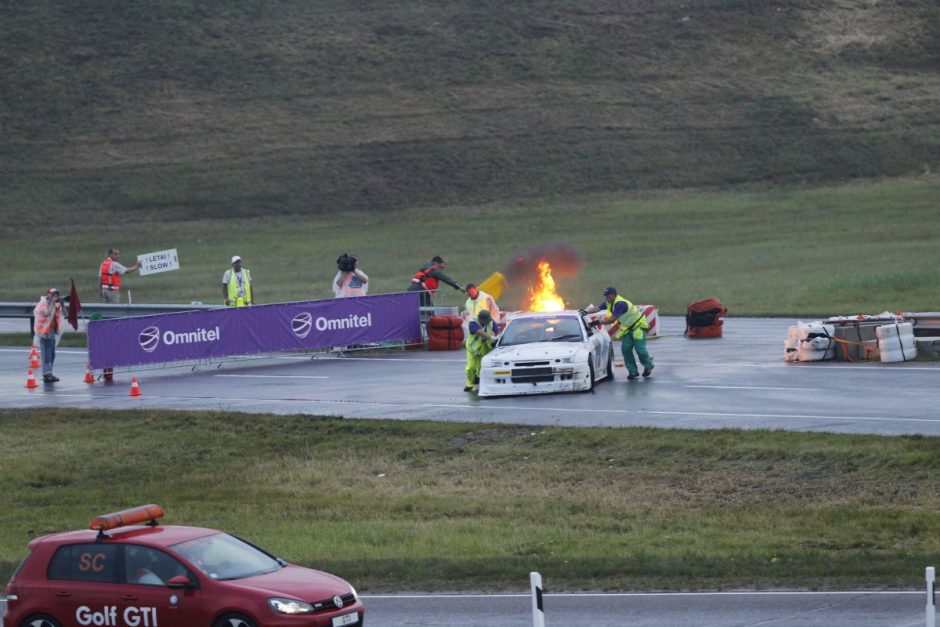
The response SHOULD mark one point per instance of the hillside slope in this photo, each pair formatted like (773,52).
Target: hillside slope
(245,107)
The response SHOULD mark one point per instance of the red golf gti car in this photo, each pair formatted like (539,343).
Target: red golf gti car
(121,573)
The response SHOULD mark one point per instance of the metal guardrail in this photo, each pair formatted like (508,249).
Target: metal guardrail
(104,310)
(101,310)
(926,324)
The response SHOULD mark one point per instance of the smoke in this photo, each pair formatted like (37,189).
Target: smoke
(565,259)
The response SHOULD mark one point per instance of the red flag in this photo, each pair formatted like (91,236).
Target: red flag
(75,306)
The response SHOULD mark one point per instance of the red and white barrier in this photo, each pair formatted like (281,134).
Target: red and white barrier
(652,316)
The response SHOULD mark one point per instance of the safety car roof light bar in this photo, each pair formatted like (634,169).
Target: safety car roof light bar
(147,514)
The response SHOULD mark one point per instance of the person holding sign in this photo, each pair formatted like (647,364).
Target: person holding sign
(236,285)
(110,274)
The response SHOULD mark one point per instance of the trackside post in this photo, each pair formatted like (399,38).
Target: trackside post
(931,597)
(538,611)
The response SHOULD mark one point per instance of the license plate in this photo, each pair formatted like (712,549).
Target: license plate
(346,619)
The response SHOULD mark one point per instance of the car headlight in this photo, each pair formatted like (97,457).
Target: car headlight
(290,606)
(354,593)
(567,360)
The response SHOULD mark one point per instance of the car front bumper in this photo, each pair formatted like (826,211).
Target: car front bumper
(544,378)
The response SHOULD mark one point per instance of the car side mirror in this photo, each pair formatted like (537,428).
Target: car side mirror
(180,581)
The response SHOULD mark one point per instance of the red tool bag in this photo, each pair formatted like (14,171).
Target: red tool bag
(703,319)
(445,333)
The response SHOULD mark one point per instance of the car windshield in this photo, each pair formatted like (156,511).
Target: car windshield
(530,330)
(222,556)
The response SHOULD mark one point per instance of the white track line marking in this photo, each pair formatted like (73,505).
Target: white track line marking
(898,368)
(647,594)
(745,387)
(272,376)
(790,417)
(541,410)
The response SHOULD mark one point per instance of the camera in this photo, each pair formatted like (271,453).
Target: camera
(346,263)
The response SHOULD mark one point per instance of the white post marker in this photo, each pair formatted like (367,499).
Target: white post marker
(538,611)
(160,261)
(931,597)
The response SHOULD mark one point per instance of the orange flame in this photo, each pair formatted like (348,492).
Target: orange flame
(542,296)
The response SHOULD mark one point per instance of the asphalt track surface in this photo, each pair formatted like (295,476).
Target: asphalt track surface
(733,609)
(737,381)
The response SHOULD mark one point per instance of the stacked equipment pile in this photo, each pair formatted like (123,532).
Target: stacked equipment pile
(445,333)
(703,318)
(886,337)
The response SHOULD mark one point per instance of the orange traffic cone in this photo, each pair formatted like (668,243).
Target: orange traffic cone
(89,376)
(31,380)
(135,387)
(34,358)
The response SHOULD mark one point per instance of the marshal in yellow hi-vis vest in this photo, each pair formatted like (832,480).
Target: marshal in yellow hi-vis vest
(239,288)
(632,320)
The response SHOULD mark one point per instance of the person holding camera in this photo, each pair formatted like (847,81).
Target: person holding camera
(49,319)
(349,280)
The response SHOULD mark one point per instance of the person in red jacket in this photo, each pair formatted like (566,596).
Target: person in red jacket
(110,276)
(428,277)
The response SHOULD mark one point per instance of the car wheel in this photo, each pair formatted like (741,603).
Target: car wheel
(233,620)
(610,365)
(591,371)
(40,621)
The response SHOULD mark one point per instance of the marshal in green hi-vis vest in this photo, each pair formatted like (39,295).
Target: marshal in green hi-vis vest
(479,346)
(632,320)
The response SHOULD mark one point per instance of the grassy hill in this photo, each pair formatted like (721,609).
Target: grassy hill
(187,108)
(688,149)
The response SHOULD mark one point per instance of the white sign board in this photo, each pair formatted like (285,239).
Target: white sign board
(160,261)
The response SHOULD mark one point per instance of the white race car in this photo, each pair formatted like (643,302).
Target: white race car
(539,353)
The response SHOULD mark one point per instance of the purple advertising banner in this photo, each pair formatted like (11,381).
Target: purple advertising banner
(260,329)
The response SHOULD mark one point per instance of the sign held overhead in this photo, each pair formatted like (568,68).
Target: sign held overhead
(160,261)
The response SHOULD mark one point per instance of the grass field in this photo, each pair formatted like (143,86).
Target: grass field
(858,248)
(246,109)
(443,506)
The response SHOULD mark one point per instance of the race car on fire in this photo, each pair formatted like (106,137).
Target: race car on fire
(544,352)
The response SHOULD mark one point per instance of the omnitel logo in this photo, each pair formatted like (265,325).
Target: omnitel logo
(302,324)
(150,337)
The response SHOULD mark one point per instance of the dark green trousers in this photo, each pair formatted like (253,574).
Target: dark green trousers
(628,344)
